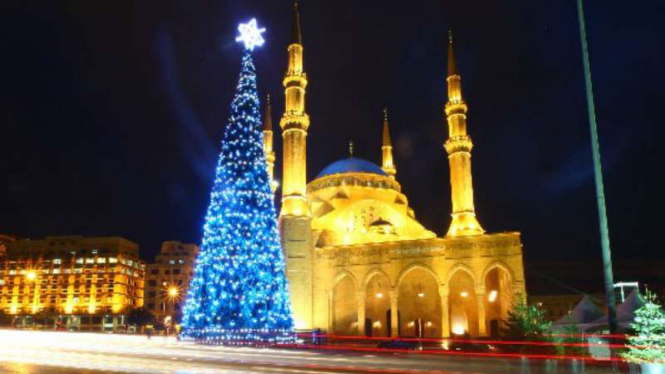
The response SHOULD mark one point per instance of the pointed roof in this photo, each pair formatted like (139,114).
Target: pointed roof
(452,61)
(584,312)
(267,117)
(386,131)
(296,37)
(626,311)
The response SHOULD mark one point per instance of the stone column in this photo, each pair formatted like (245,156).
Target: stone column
(445,314)
(482,325)
(330,311)
(394,315)
(360,297)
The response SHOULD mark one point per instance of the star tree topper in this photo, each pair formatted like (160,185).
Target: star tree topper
(250,34)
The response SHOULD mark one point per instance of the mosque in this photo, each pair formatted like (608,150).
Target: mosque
(357,259)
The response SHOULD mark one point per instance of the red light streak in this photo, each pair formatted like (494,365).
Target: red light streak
(451,353)
(470,341)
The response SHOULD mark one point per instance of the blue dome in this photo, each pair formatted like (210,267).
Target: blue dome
(351,165)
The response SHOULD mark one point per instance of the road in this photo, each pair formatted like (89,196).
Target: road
(33,352)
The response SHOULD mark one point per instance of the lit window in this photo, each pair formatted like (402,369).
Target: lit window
(171,262)
(57,261)
(56,271)
(113,260)
(101,260)
(94,251)
(79,260)
(90,260)
(181,261)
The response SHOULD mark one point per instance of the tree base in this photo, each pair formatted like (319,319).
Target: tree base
(240,337)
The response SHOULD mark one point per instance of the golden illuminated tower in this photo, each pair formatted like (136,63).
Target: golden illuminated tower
(387,148)
(295,221)
(294,126)
(267,144)
(459,147)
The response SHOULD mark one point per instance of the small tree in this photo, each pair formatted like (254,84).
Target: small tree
(140,317)
(648,343)
(570,335)
(526,322)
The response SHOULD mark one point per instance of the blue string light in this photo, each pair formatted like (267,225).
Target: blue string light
(239,292)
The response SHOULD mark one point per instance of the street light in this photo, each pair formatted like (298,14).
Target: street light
(598,178)
(31,275)
(171,293)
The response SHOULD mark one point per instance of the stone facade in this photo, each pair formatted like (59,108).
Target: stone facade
(81,283)
(167,279)
(357,259)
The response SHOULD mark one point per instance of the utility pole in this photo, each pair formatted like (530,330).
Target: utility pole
(598,176)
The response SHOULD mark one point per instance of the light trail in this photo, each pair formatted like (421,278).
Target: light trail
(469,341)
(137,354)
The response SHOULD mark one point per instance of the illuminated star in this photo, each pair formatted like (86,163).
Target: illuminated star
(250,35)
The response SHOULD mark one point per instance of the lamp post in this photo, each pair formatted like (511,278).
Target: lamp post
(598,176)
(171,293)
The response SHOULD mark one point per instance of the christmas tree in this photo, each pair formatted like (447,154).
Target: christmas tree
(239,292)
(648,343)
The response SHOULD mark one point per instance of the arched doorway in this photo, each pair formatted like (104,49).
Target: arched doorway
(498,298)
(377,305)
(345,310)
(463,304)
(419,305)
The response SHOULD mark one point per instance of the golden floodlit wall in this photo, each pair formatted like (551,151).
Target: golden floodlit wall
(71,275)
(357,259)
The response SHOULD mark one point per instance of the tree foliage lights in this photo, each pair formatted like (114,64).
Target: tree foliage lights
(648,343)
(239,292)
(526,322)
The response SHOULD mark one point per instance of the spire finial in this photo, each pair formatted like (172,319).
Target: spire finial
(297,33)
(350,148)
(386,132)
(267,116)
(452,61)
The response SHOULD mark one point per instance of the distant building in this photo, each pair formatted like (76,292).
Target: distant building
(557,306)
(168,278)
(72,282)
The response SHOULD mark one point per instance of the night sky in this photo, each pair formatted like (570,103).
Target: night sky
(112,112)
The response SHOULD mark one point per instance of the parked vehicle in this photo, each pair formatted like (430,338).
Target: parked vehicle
(407,345)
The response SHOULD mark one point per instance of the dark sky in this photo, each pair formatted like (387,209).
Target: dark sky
(112,111)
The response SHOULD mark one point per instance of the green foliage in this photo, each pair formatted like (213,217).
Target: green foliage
(571,335)
(526,322)
(648,343)
(140,317)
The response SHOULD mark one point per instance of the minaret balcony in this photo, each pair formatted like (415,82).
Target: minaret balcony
(455,108)
(294,121)
(458,144)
